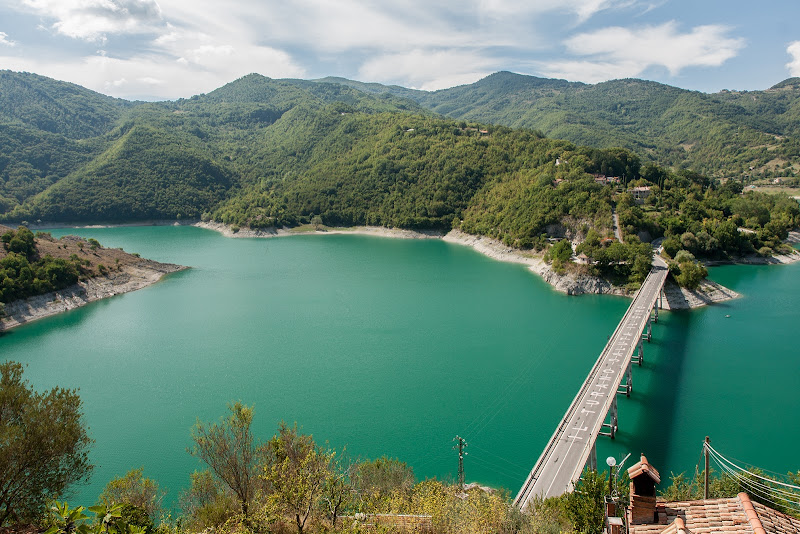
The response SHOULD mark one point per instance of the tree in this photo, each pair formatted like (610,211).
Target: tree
(382,476)
(20,241)
(108,520)
(296,472)
(230,451)
(135,490)
(337,492)
(206,503)
(584,507)
(43,445)
(561,251)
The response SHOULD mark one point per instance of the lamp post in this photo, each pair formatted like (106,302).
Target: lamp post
(611,462)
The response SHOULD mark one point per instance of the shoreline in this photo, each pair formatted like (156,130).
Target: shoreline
(377,231)
(708,292)
(676,298)
(131,278)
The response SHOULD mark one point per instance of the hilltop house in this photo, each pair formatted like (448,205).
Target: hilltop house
(640,193)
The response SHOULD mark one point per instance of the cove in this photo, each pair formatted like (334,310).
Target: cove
(395,346)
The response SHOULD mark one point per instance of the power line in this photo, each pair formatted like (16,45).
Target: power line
(763,487)
(506,460)
(715,452)
(494,467)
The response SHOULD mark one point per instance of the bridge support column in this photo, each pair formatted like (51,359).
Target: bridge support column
(657,306)
(629,387)
(613,424)
(638,358)
(593,457)
(649,331)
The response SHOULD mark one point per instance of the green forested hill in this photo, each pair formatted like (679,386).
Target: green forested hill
(147,173)
(31,160)
(285,94)
(260,153)
(57,107)
(722,134)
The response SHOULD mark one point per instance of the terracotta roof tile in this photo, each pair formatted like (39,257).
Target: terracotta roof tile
(737,515)
(774,521)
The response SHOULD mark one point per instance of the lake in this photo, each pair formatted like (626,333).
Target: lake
(393,347)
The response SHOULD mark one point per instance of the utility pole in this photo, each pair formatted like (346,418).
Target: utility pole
(460,448)
(705,476)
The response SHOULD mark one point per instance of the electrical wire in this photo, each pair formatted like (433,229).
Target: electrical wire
(792,486)
(755,483)
(763,492)
(509,462)
(479,423)
(494,467)
(785,495)
(731,458)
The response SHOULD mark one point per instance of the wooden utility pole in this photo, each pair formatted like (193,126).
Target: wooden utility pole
(705,475)
(460,448)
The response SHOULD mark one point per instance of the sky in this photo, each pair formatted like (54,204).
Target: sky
(169,49)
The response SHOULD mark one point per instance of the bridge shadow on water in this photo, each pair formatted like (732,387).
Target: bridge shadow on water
(647,419)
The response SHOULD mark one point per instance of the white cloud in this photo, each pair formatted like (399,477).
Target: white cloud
(158,76)
(427,69)
(190,44)
(584,9)
(591,71)
(4,40)
(794,65)
(93,20)
(622,52)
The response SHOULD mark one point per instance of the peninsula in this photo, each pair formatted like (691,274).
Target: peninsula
(42,276)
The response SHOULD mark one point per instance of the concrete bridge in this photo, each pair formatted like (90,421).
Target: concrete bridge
(594,410)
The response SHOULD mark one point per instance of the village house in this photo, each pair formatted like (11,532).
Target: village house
(602,179)
(647,514)
(640,193)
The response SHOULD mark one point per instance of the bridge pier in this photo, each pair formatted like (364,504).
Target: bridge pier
(629,386)
(613,425)
(593,457)
(640,358)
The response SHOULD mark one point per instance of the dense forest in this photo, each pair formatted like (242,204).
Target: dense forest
(742,134)
(271,153)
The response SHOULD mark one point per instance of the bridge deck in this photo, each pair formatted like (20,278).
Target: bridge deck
(565,455)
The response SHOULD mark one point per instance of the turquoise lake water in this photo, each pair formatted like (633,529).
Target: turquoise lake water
(395,346)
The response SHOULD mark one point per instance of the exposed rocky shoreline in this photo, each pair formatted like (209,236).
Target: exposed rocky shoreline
(128,278)
(378,231)
(572,284)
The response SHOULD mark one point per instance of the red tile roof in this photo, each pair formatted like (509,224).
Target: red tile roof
(737,515)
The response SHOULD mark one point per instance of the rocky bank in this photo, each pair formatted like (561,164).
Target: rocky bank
(128,278)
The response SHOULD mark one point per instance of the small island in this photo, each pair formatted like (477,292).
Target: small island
(41,276)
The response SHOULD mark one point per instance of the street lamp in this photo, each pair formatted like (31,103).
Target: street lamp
(611,462)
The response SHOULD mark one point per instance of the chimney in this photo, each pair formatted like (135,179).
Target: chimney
(644,477)
(613,523)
